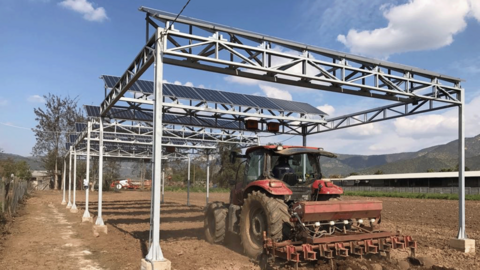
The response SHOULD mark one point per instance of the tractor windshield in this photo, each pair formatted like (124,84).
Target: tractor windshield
(294,169)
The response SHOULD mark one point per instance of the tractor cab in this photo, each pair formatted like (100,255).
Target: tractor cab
(290,171)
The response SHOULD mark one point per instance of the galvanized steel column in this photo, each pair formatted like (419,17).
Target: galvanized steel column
(99,220)
(461,168)
(86,214)
(155,251)
(163,186)
(188,182)
(74,206)
(208,174)
(63,180)
(69,205)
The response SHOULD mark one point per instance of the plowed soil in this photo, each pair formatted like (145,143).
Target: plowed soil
(46,235)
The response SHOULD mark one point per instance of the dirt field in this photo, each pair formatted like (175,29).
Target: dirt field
(47,236)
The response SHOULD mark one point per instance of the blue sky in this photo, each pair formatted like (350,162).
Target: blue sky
(62,47)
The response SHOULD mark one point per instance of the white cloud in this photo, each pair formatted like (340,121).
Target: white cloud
(329,109)
(177,83)
(275,92)
(189,84)
(414,26)
(36,99)
(440,125)
(86,8)
(475,9)
(240,80)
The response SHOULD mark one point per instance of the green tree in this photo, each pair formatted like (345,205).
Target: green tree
(55,123)
(354,173)
(378,172)
(110,172)
(7,167)
(430,170)
(22,170)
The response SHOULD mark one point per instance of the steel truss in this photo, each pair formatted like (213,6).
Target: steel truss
(216,48)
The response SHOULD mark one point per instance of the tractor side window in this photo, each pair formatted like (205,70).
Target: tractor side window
(254,167)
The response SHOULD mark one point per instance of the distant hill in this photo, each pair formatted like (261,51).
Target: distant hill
(436,158)
(34,162)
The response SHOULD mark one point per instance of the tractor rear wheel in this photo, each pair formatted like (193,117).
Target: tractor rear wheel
(262,213)
(215,222)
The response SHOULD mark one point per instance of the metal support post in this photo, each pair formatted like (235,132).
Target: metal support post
(86,214)
(208,175)
(188,182)
(155,253)
(69,205)
(305,155)
(74,206)
(99,220)
(163,186)
(63,180)
(461,169)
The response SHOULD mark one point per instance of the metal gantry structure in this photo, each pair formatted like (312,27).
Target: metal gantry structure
(134,141)
(207,46)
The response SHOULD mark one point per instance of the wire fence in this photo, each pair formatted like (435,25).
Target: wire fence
(435,190)
(12,193)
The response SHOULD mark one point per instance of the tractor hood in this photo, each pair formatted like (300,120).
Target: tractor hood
(294,151)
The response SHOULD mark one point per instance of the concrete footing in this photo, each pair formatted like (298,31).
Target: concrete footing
(100,229)
(64,203)
(69,206)
(464,245)
(164,265)
(87,219)
(73,210)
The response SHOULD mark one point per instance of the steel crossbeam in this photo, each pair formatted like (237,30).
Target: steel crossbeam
(311,67)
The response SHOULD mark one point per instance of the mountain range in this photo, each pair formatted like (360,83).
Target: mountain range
(434,158)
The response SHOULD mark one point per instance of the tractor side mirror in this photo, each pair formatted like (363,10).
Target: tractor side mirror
(233,156)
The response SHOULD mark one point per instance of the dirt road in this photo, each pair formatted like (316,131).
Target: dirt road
(48,236)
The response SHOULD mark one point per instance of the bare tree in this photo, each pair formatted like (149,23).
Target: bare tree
(55,123)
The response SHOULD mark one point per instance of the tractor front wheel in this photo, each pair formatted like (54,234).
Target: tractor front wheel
(215,222)
(118,187)
(262,213)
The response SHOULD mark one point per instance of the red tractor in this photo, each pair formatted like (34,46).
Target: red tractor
(281,207)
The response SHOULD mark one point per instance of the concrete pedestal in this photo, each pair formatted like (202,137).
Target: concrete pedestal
(165,265)
(73,210)
(64,203)
(69,206)
(87,219)
(100,229)
(464,245)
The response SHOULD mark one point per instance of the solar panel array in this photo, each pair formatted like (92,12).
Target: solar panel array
(208,95)
(125,114)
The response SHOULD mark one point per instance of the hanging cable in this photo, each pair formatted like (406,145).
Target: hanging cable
(178,15)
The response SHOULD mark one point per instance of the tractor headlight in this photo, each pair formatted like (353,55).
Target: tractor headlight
(360,221)
(332,223)
(372,220)
(345,222)
(317,224)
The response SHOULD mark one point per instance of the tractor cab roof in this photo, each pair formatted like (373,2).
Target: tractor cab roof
(286,150)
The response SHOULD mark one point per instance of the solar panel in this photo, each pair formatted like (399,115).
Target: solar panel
(263,102)
(308,108)
(145,86)
(79,127)
(287,105)
(110,81)
(121,113)
(212,95)
(238,99)
(73,138)
(93,111)
(183,91)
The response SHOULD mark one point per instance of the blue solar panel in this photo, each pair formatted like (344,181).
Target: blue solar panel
(79,127)
(212,95)
(145,86)
(287,105)
(263,102)
(308,108)
(238,99)
(92,111)
(183,91)
(110,81)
